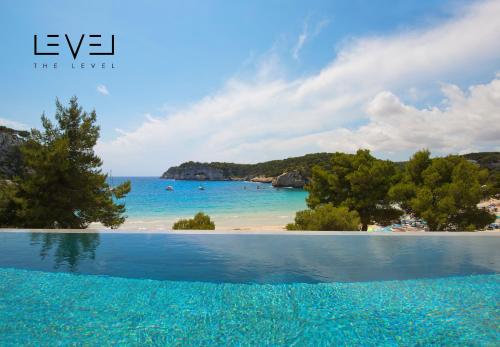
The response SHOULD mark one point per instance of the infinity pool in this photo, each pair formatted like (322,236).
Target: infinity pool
(165,289)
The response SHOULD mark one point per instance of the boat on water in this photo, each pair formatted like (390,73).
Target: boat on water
(201,188)
(169,188)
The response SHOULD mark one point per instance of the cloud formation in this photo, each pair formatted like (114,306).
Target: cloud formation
(13,124)
(469,121)
(306,35)
(102,89)
(351,103)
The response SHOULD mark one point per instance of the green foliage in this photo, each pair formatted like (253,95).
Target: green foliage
(492,185)
(490,160)
(358,182)
(62,185)
(444,192)
(304,164)
(7,206)
(326,217)
(200,222)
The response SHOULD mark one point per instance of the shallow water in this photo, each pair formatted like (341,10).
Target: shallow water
(229,203)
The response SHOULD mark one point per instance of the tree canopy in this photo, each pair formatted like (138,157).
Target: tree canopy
(62,184)
(444,192)
(358,182)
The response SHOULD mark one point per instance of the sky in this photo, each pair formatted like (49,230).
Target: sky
(250,81)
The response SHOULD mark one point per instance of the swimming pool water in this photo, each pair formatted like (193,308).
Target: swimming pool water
(38,308)
(279,290)
(253,258)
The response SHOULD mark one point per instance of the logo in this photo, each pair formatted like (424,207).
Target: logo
(75,47)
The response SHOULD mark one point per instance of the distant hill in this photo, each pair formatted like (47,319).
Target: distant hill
(226,171)
(218,171)
(490,160)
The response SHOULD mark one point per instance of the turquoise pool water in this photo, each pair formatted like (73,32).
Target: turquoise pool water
(49,309)
(244,290)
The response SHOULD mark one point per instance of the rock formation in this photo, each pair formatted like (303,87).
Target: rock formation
(295,171)
(292,179)
(10,156)
(262,179)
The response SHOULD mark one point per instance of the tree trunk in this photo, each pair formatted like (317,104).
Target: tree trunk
(364,227)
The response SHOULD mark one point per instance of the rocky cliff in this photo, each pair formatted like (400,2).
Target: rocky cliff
(10,156)
(292,179)
(290,172)
(263,172)
(195,171)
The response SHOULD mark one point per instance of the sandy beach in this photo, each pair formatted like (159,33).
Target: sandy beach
(245,222)
(250,222)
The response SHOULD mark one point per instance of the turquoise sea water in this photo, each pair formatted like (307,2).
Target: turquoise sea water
(226,199)
(51,309)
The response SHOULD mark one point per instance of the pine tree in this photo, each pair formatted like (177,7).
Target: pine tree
(444,192)
(62,185)
(359,182)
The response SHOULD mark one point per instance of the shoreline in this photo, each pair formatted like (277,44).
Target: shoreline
(275,221)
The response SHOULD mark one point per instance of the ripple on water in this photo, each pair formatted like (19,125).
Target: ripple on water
(41,308)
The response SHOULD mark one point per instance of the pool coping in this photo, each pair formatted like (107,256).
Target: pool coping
(256,232)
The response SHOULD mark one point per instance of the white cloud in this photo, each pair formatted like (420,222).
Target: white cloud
(300,43)
(102,89)
(470,121)
(13,124)
(350,103)
(306,35)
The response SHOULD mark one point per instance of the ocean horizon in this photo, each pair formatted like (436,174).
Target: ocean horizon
(231,204)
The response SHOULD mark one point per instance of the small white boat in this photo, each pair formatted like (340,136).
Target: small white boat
(201,188)
(169,188)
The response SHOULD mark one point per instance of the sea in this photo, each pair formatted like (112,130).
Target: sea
(230,204)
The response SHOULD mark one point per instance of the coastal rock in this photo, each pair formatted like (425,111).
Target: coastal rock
(262,179)
(196,172)
(292,179)
(10,156)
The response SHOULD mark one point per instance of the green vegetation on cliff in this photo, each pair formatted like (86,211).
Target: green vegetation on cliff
(271,168)
(10,154)
(303,164)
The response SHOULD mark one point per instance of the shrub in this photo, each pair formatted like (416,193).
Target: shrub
(200,222)
(326,217)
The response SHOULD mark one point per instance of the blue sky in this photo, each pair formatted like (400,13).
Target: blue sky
(186,71)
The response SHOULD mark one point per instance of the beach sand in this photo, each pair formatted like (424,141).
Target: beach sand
(223,223)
